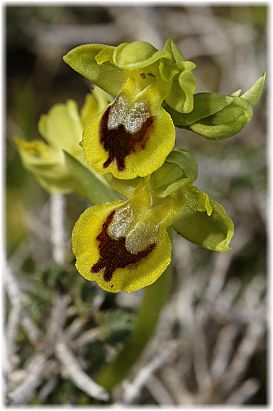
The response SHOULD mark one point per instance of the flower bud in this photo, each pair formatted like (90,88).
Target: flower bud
(62,129)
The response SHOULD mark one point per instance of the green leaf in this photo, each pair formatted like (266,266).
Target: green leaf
(205,105)
(225,123)
(203,221)
(95,187)
(180,168)
(106,75)
(254,93)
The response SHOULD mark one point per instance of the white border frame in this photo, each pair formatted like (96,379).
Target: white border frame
(3,163)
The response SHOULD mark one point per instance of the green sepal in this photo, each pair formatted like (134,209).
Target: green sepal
(205,105)
(137,55)
(91,184)
(225,123)
(253,95)
(106,75)
(179,169)
(203,221)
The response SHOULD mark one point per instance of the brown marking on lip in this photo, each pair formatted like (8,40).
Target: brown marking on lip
(120,143)
(113,253)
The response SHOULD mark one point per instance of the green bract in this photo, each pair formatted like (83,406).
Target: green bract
(203,221)
(226,122)
(205,105)
(218,117)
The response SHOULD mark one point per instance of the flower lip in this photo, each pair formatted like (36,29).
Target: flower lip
(113,253)
(124,131)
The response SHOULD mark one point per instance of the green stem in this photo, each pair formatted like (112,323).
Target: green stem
(153,301)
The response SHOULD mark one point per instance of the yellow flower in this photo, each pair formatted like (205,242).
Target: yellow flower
(124,245)
(134,135)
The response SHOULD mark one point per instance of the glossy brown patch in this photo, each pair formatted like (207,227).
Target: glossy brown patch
(119,143)
(113,253)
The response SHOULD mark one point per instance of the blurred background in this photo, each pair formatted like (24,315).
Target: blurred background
(210,346)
